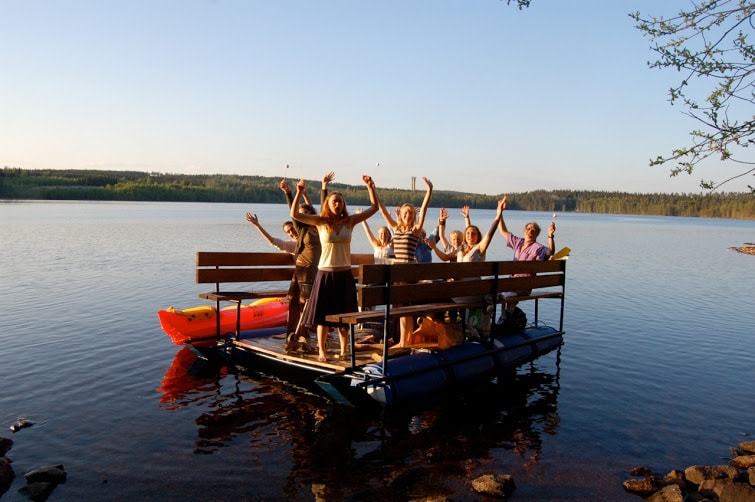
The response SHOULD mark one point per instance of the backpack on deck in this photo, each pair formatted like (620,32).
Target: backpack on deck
(514,322)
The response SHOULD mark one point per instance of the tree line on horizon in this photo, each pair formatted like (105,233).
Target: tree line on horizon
(50,184)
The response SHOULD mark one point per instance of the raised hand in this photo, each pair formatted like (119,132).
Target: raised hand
(252,218)
(501,205)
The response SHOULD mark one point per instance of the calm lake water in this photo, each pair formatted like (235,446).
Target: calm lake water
(656,369)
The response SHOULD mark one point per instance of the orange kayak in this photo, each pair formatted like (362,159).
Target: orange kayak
(200,322)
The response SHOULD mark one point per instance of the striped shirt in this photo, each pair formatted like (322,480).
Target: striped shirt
(404,245)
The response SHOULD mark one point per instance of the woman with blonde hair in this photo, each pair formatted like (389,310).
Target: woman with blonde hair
(475,246)
(407,233)
(382,245)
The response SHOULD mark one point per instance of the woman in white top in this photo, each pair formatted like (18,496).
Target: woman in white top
(475,245)
(333,291)
(382,245)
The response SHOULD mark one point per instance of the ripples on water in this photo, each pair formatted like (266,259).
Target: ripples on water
(655,369)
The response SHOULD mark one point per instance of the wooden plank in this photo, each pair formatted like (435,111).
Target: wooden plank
(444,291)
(362,259)
(234,259)
(415,272)
(225,275)
(274,348)
(357,317)
(532,282)
(214,267)
(228,275)
(521,298)
(531,267)
(252,259)
(234,296)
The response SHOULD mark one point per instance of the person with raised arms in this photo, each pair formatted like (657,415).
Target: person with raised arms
(475,246)
(382,245)
(306,257)
(334,290)
(526,249)
(455,241)
(407,233)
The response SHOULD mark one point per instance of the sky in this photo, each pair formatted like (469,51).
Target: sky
(476,95)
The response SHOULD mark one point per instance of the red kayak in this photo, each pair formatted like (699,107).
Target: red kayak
(197,323)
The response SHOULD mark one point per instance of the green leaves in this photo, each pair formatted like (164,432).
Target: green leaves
(709,43)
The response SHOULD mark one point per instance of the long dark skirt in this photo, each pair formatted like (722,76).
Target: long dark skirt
(332,293)
(298,293)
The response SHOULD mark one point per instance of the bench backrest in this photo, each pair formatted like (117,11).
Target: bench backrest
(228,267)
(439,282)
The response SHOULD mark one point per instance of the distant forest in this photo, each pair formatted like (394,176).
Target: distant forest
(17,183)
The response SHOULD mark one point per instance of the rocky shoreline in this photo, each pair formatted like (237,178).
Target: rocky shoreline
(732,482)
(40,482)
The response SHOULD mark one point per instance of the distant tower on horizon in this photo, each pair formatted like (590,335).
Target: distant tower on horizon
(414,182)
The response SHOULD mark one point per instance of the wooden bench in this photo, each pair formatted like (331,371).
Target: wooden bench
(386,292)
(268,274)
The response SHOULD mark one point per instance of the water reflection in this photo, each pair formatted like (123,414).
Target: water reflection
(511,415)
(334,452)
(188,380)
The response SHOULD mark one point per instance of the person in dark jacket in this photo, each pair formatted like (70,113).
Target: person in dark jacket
(306,257)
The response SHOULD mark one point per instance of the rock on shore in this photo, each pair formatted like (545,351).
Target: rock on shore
(39,482)
(6,471)
(498,485)
(734,482)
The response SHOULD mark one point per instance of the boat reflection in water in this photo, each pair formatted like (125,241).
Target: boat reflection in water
(188,380)
(337,452)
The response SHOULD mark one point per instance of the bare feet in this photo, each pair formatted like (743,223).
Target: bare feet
(322,358)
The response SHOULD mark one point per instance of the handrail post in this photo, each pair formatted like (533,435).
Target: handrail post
(563,296)
(352,336)
(238,319)
(494,303)
(387,318)
(217,309)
